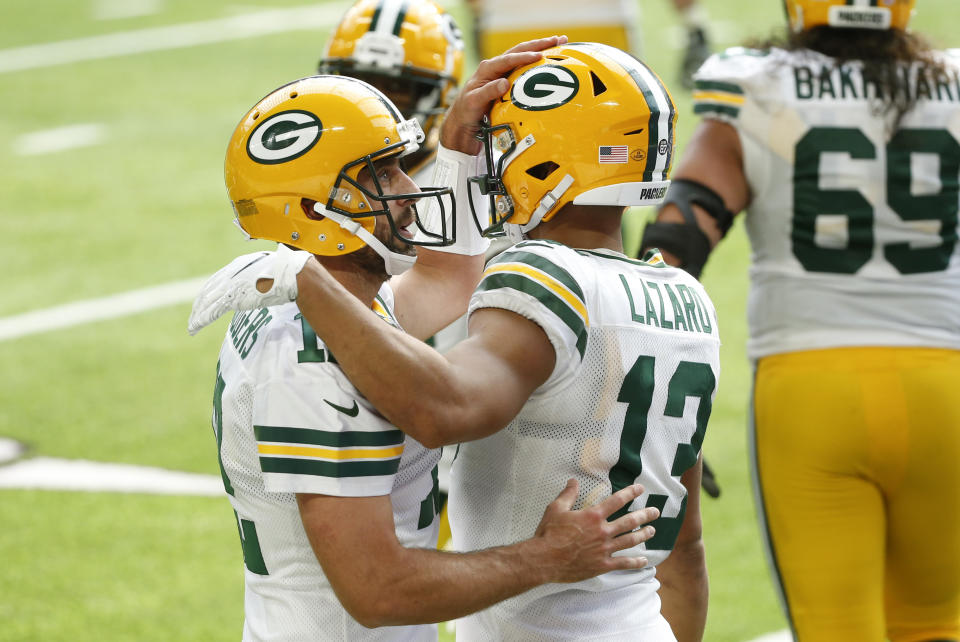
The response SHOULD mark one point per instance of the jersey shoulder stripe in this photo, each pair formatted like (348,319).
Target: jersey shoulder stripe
(544,265)
(722,85)
(716,97)
(551,285)
(574,320)
(283,449)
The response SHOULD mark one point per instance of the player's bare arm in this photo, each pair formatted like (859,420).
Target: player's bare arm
(381,583)
(714,158)
(684,589)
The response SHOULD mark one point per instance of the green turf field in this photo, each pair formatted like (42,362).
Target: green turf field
(144,205)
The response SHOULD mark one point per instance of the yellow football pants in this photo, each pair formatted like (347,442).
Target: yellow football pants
(857,460)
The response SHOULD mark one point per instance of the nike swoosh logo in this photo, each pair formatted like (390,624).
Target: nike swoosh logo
(350,412)
(259,258)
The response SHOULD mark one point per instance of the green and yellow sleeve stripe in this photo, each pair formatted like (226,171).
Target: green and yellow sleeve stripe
(380,307)
(548,283)
(718,98)
(302,451)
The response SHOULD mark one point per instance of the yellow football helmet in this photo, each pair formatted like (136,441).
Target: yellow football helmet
(862,14)
(411,50)
(307,142)
(587,124)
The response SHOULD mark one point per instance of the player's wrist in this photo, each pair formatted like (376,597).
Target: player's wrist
(540,561)
(453,168)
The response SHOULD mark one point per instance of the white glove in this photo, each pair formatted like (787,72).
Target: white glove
(234,287)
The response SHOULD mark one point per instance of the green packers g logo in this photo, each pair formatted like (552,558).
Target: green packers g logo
(544,87)
(284,136)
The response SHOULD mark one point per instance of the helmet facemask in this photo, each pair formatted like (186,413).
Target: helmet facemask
(348,211)
(499,145)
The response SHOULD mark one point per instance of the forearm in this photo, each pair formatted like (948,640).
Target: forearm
(467,582)
(411,384)
(684,591)
(436,291)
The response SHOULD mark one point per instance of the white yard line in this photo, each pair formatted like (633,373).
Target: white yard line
(47,141)
(48,473)
(108,307)
(191,34)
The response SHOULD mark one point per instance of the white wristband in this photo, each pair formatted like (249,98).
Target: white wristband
(452,170)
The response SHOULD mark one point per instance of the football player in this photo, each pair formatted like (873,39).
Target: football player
(336,508)
(412,51)
(841,141)
(580,361)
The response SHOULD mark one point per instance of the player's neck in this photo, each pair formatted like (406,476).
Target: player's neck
(584,226)
(361,283)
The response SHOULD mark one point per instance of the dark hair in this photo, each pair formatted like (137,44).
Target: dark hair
(882,54)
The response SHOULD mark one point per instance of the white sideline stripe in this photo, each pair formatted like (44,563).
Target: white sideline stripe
(61,138)
(109,307)
(48,473)
(189,34)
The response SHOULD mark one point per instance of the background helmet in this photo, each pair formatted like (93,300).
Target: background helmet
(410,49)
(309,140)
(587,124)
(862,14)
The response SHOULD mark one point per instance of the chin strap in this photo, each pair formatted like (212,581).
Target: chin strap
(547,203)
(393,262)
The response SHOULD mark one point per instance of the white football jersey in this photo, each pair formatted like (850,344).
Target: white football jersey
(288,421)
(853,219)
(637,361)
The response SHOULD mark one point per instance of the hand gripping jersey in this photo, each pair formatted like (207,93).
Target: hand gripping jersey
(288,421)
(853,223)
(629,398)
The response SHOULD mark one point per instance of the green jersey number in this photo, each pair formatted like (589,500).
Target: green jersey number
(249,542)
(690,379)
(811,201)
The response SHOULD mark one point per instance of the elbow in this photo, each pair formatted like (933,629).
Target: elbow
(372,613)
(386,609)
(429,427)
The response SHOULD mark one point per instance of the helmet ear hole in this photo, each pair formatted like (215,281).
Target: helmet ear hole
(598,86)
(543,170)
(306,205)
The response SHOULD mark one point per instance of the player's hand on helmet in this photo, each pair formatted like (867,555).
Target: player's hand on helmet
(580,543)
(248,282)
(488,83)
